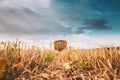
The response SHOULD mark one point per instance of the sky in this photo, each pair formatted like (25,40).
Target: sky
(83,23)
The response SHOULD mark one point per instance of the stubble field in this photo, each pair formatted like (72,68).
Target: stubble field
(21,62)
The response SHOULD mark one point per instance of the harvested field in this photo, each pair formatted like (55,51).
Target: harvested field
(18,62)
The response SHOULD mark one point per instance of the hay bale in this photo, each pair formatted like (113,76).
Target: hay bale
(60,45)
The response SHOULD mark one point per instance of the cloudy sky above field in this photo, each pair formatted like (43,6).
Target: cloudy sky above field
(85,23)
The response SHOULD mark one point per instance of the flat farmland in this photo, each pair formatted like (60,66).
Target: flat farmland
(22,62)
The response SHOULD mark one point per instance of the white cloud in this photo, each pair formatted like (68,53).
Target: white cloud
(31,17)
(25,3)
(77,41)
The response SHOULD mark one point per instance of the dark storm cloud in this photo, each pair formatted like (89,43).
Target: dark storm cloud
(96,24)
(45,17)
(25,21)
(14,11)
(71,11)
(35,19)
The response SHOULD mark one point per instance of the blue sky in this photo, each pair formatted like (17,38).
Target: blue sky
(83,23)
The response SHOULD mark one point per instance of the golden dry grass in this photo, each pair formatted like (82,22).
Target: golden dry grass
(19,62)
